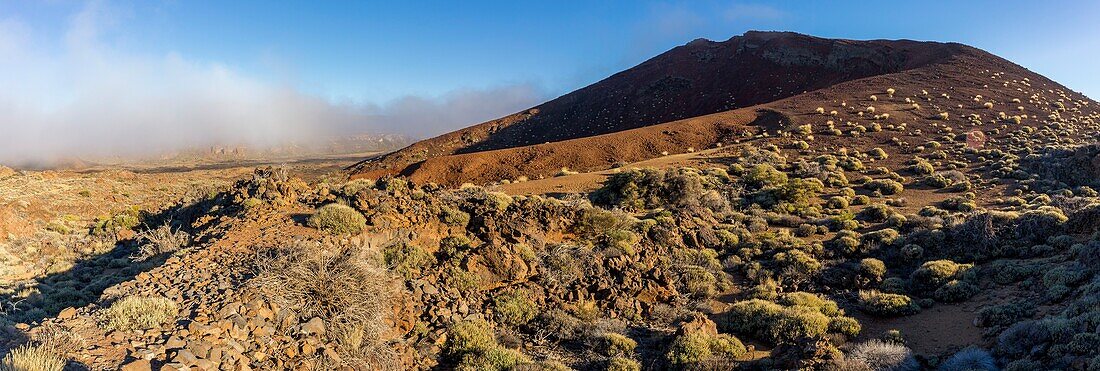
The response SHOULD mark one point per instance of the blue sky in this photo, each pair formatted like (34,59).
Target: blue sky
(381,50)
(430,66)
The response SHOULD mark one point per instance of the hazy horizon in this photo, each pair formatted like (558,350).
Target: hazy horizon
(94,78)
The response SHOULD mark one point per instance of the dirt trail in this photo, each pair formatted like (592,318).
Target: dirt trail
(589,181)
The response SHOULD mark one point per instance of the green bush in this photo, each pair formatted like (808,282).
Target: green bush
(613,345)
(883,304)
(810,300)
(752,316)
(698,282)
(496,358)
(607,229)
(922,167)
(689,348)
(845,325)
(623,364)
(871,271)
(108,226)
(955,291)
(452,216)
(764,175)
(470,336)
(1004,314)
(453,248)
(514,307)
(794,323)
(407,260)
(697,347)
(933,274)
(837,202)
(884,186)
(797,263)
(337,219)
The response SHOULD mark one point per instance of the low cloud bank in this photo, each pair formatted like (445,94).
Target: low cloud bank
(88,99)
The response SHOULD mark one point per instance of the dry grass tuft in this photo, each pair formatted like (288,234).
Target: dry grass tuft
(140,313)
(346,286)
(161,240)
(32,358)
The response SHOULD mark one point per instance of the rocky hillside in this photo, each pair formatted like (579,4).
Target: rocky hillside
(942,217)
(701,78)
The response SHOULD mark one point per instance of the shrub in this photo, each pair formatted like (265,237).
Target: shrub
(885,237)
(636,189)
(797,264)
(689,348)
(337,219)
(837,202)
(140,313)
(955,291)
(32,358)
(452,216)
(727,345)
(453,247)
(871,271)
(698,282)
(933,274)
(470,336)
(406,259)
(881,355)
(1004,314)
(884,186)
(969,359)
(810,300)
(922,167)
(764,175)
(698,347)
(798,322)
(612,344)
(108,226)
(752,316)
(161,240)
(845,325)
(62,341)
(877,153)
(496,358)
(884,304)
(623,364)
(343,285)
(514,307)
(607,229)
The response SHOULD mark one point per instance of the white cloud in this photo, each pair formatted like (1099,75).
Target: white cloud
(88,98)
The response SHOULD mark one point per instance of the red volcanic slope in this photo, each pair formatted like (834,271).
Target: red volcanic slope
(783,74)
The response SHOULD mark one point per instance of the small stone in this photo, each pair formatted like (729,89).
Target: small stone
(206,365)
(67,313)
(185,356)
(138,365)
(176,366)
(174,343)
(315,326)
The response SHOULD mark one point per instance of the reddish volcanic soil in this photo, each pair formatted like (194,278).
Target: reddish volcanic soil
(681,101)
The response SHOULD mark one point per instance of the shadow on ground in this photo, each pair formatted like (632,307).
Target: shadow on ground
(85,282)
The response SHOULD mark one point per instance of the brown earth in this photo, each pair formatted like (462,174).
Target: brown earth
(540,142)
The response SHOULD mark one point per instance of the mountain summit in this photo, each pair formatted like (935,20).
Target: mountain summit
(700,78)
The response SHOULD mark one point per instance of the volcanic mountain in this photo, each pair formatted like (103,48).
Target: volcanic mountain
(705,93)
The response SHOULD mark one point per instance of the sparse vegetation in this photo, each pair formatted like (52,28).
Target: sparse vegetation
(140,313)
(32,358)
(337,219)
